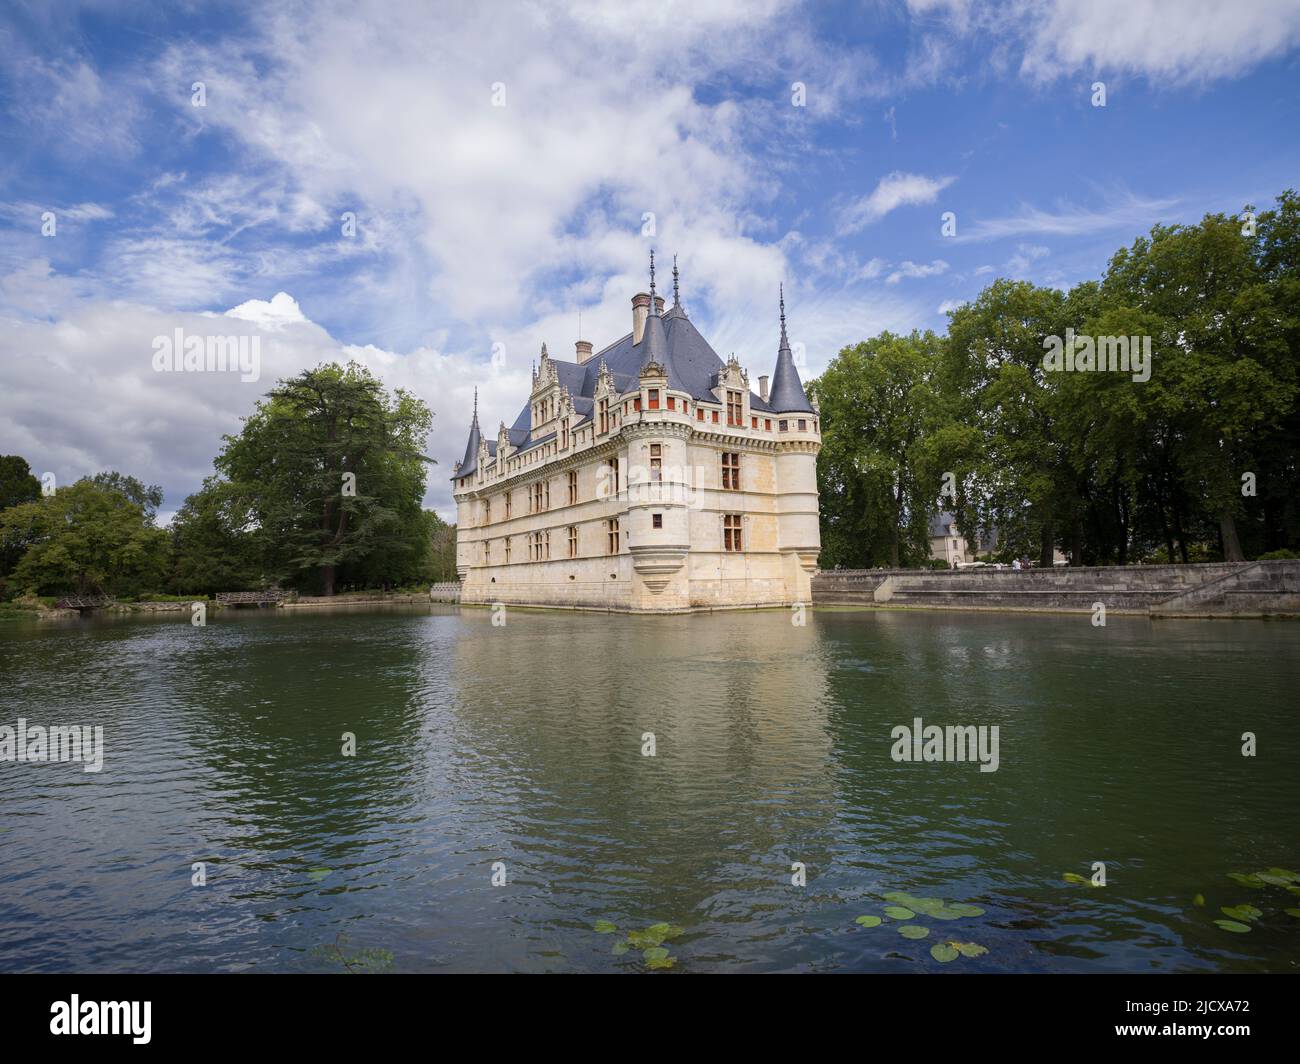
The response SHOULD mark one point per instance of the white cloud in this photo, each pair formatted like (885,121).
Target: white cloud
(1127,211)
(917,269)
(891,192)
(1174,41)
(1025,256)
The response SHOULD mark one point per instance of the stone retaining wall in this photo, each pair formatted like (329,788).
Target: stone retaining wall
(1215,588)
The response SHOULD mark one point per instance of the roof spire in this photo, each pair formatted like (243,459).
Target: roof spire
(476,402)
(787,394)
(677,299)
(653,310)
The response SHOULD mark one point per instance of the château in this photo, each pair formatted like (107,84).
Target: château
(645,477)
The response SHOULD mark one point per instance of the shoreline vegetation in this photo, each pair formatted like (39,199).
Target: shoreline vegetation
(1194,458)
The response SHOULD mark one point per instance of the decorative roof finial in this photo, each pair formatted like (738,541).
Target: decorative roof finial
(676,295)
(652,280)
(476,402)
(784,342)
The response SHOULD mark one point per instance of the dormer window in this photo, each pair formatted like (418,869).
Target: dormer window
(735,408)
(652,397)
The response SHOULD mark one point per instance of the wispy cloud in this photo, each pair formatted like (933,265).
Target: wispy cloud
(891,192)
(1130,212)
(917,269)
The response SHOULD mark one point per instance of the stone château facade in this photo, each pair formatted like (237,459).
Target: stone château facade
(645,477)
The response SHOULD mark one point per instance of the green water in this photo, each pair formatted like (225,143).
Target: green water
(522,744)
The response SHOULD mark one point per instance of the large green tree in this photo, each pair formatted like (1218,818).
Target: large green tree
(17,484)
(330,470)
(84,538)
(876,400)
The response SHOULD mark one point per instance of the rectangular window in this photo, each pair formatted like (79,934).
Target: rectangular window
(699,414)
(487,552)
(731,532)
(803,425)
(653,398)
(715,417)
(656,461)
(731,472)
(573,487)
(735,408)
(507,507)
(573,541)
(564,434)
(611,534)
(657,520)
(783,426)
(604,416)
(636,403)
(753,422)
(507,550)
(672,403)
(767,424)
(613,474)
(546,544)
(487,511)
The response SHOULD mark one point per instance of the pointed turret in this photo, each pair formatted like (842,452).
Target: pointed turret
(654,343)
(787,392)
(470,461)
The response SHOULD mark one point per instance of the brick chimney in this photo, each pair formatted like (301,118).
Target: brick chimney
(583,349)
(640,311)
(762,387)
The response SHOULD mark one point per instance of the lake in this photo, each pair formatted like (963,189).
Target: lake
(515,752)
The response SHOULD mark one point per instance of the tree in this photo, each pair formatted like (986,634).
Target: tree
(17,484)
(212,546)
(876,401)
(331,471)
(148,498)
(86,539)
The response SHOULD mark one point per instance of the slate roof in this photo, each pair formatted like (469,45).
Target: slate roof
(670,339)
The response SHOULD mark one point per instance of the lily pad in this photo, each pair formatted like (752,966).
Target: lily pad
(1272,880)
(620,948)
(897,912)
(898,896)
(656,953)
(1285,873)
(868,921)
(661,962)
(1078,880)
(1233,926)
(650,937)
(946,913)
(1292,912)
(926,906)
(962,908)
(604,927)
(913,931)
(943,952)
(1199,901)
(1245,913)
(317,874)
(969,949)
(1247,880)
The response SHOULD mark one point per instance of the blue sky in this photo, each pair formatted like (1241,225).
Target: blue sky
(482,225)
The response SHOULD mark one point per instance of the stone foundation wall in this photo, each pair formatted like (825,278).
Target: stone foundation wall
(1211,589)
